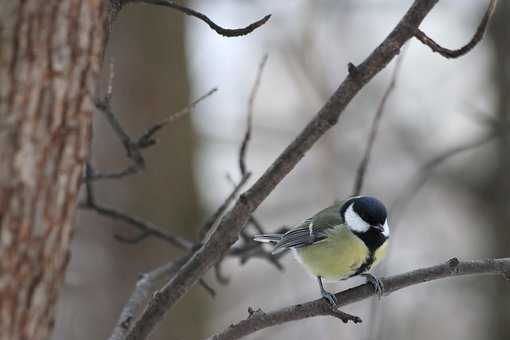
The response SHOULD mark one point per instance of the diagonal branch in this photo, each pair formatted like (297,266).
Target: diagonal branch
(477,37)
(227,231)
(226,32)
(260,320)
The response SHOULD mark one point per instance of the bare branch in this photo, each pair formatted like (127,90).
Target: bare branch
(132,146)
(226,233)
(145,228)
(146,285)
(144,288)
(249,117)
(226,32)
(477,37)
(251,250)
(345,317)
(363,165)
(146,138)
(320,307)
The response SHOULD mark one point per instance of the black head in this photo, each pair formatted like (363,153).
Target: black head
(369,209)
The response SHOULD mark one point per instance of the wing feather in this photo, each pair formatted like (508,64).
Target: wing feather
(310,231)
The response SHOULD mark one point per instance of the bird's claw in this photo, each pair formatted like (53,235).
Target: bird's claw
(330,297)
(376,283)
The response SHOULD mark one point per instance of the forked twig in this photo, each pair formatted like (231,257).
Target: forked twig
(477,37)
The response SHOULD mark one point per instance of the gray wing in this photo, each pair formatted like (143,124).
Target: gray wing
(312,230)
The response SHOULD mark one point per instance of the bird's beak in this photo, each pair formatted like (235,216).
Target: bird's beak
(379,227)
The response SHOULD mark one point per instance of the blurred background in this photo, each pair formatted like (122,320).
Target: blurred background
(163,60)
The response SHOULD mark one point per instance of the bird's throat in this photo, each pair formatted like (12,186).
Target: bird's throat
(373,239)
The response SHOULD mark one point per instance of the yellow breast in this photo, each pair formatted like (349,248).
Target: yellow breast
(380,253)
(336,257)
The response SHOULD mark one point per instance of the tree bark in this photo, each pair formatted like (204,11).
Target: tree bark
(50,53)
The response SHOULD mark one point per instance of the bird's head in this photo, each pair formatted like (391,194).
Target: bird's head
(364,213)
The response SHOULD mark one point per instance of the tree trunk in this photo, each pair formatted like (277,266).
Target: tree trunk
(50,53)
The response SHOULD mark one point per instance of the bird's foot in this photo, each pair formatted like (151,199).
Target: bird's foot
(330,297)
(376,283)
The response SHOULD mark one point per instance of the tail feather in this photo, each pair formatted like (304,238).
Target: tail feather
(274,239)
(268,238)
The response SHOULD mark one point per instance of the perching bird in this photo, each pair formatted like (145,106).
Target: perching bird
(344,240)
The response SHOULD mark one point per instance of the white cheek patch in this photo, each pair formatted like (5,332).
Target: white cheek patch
(386,229)
(354,221)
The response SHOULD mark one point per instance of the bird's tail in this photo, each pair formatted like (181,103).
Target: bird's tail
(268,238)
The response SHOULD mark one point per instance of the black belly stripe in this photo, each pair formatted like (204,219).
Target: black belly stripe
(373,239)
(366,265)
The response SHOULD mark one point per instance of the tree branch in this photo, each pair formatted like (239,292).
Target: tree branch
(226,32)
(261,320)
(144,287)
(227,232)
(477,37)
(133,146)
(145,228)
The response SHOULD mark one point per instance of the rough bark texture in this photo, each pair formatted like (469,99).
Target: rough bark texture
(50,52)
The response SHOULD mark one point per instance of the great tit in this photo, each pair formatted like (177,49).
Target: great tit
(344,240)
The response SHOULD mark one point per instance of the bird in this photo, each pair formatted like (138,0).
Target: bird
(347,239)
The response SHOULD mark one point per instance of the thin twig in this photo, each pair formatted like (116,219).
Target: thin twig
(147,137)
(132,146)
(363,165)
(251,251)
(226,32)
(477,37)
(144,227)
(261,320)
(426,170)
(249,117)
(220,276)
(216,216)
